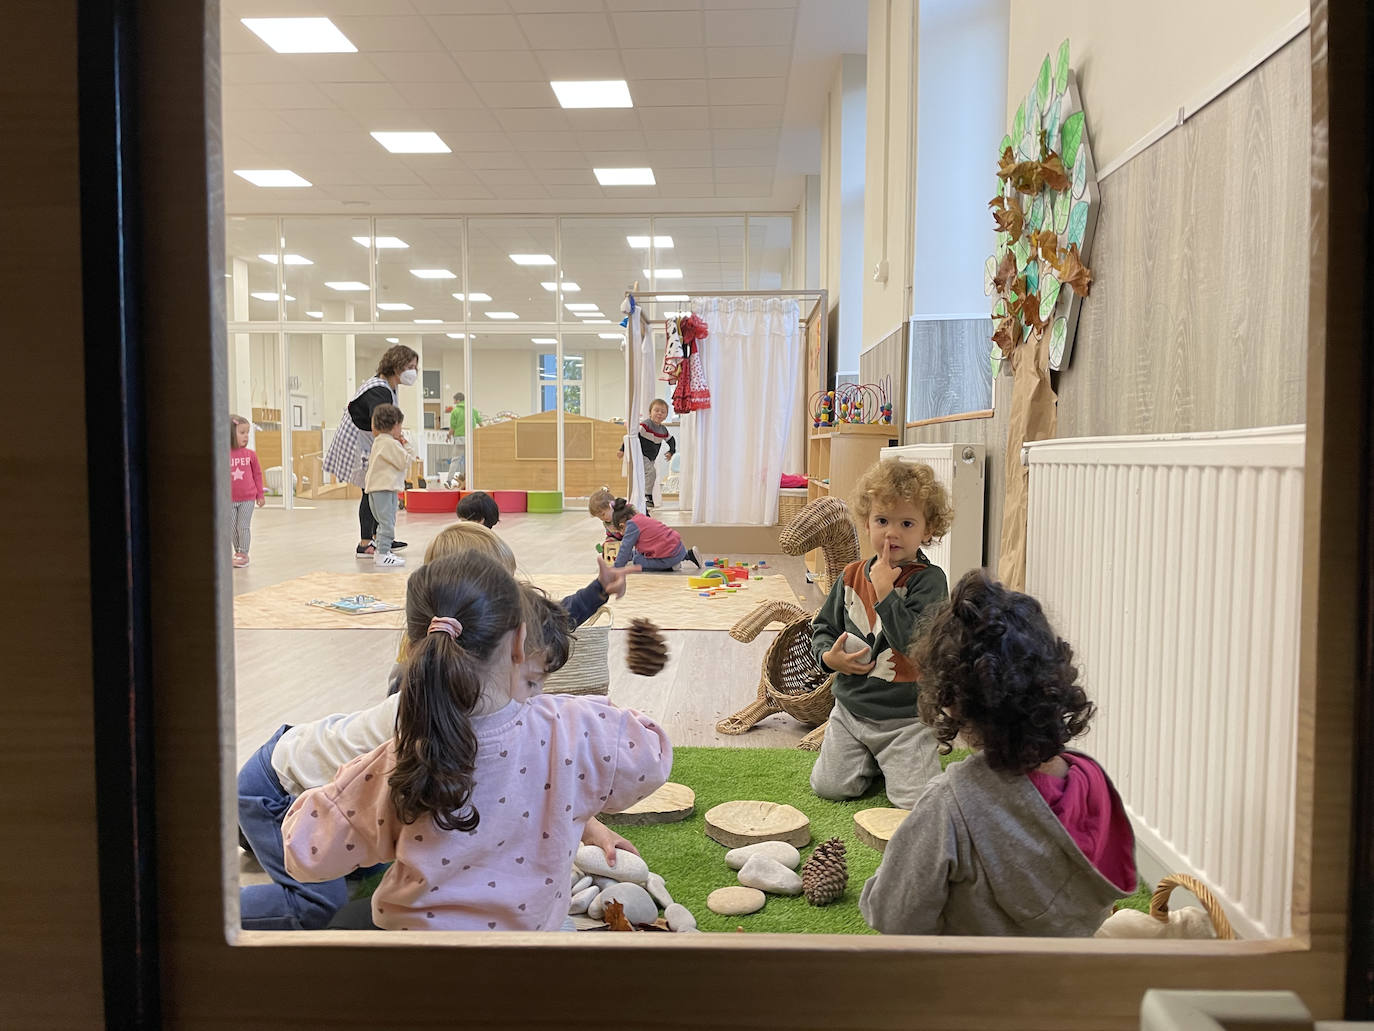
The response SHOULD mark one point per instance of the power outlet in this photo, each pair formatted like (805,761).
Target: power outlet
(880,272)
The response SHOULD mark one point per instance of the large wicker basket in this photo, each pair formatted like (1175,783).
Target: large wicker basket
(588,669)
(825,524)
(791,680)
(791,501)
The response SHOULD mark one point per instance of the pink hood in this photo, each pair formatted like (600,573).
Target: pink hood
(1090,810)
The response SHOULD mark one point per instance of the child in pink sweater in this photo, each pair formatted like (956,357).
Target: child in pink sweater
(480,799)
(245,479)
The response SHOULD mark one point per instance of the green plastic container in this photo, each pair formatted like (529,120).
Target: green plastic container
(544,501)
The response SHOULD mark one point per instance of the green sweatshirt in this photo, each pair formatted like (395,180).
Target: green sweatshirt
(888,628)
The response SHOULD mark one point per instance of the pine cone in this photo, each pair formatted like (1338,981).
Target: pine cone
(646,651)
(825,874)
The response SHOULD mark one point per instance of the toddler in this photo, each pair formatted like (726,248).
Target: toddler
(386,478)
(651,544)
(245,479)
(480,798)
(652,435)
(862,633)
(479,507)
(601,504)
(1023,837)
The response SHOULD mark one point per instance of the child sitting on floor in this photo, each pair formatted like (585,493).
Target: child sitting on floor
(863,630)
(601,504)
(1023,837)
(479,507)
(646,541)
(480,799)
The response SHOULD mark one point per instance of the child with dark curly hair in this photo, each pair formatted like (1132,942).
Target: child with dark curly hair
(862,633)
(1024,837)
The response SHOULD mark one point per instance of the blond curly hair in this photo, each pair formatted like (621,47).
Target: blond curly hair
(892,481)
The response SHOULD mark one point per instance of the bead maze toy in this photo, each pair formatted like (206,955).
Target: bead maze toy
(853,403)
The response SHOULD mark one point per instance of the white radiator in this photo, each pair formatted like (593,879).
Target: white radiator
(1172,565)
(960,467)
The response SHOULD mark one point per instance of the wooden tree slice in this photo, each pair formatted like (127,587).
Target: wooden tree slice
(670,803)
(875,827)
(735,824)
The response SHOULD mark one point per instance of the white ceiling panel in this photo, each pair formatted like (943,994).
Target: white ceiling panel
(737,28)
(458,120)
(676,190)
(461,6)
(616,120)
(473,192)
(571,31)
(743,158)
(554,6)
(745,174)
(408,193)
(653,5)
(582,64)
(735,4)
(736,139)
(277,96)
(743,189)
(363,96)
(567,177)
(668,62)
(248,68)
(533,119)
(506,177)
(479,32)
(374,35)
(739,62)
(667,158)
(675,118)
(335,67)
(658,29)
(757,116)
(321,120)
(417,66)
(678,139)
(462,142)
(672,174)
(500,66)
(516,94)
(633,140)
(533,142)
(493,159)
(438,94)
(668,92)
(748,91)
(559,159)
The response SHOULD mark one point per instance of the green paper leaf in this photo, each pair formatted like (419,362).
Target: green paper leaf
(1033,276)
(1073,137)
(1042,84)
(1052,124)
(1021,248)
(1049,294)
(1018,126)
(1061,68)
(1078,224)
(1061,212)
(1059,334)
(1036,216)
(999,310)
(1080,177)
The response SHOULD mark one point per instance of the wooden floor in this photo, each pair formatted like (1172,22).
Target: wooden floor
(291,676)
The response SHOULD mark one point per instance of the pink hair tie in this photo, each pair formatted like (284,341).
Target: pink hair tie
(445,625)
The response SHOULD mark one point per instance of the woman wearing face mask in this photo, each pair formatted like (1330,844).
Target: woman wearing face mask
(352,441)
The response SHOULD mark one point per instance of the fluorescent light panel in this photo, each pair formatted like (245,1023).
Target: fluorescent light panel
(596,322)
(663,273)
(281,177)
(315,314)
(432,273)
(624,176)
(593,93)
(500,314)
(394,306)
(286,259)
(345,285)
(456,336)
(579,306)
(473,297)
(393,340)
(543,340)
(264,296)
(611,336)
(532,259)
(411,142)
(672,297)
(383,242)
(300,35)
(427,322)
(569,287)
(661,242)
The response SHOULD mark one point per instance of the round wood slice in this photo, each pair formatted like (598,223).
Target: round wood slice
(875,827)
(668,804)
(735,824)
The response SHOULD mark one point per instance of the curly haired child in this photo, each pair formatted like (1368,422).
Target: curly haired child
(862,633)
(1024,837)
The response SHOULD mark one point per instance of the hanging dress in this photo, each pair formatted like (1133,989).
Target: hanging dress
(691,393)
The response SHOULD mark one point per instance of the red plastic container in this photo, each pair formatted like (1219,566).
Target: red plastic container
(509,500)
(432,500)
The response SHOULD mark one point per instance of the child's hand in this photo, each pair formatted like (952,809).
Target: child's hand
(613,580)
(261,502)
(598,834)
(884,574)
(851,663)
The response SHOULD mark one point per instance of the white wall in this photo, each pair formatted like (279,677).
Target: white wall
(842,191)
(503,379)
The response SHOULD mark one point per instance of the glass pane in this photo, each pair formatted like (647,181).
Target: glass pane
(707,252)
(517,446)
(325,269)
(255,392)
(418,282)
(444,428)
(500,284)
(250,269)
(770,252)
(593,412)
(602,257)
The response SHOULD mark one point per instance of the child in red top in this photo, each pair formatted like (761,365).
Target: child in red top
(647,542)
(245,478)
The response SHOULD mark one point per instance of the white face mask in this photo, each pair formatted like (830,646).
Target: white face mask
(409,377)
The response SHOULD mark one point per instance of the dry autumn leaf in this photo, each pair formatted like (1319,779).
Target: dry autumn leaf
(614,915)
(1047,242)
(1006,272)
(1053,174)
(1007,335)
(1018,296)
(1007,214)
(1006,164)
(1031,313)
(1073,273)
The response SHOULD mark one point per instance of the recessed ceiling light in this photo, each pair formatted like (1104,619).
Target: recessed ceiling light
(569,287)
(347,284)
(624,176)
(271,177)
(383,242)
(611,336)
(412,142)
(474,297)
(432,273)
(590,314)
(315,314)
(286,259)
(269,297)
(543,340)
(661,242)
(597,322)
(456,336)
(532,259)
(393,340)
(394,306)
(593,93)
(300,35)
(579,306)
(663,273)
(427,322)
(672,297)
(500,314)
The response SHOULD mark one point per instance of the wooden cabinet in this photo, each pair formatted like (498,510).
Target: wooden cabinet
(836,457)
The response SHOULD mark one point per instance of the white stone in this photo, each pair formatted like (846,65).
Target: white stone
(602,883)
(628,866)
(784,853)
(581,885)
(771,876)
(679,918)
(638,906)
(594,906)
(659,891)
(735,901)
(581,901)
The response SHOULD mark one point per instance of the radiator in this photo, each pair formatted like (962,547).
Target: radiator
(1172,565)
(960,467)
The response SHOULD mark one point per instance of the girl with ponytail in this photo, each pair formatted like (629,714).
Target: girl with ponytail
(481,797)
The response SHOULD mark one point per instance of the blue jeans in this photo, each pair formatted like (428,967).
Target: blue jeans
(285,904)
(643,561)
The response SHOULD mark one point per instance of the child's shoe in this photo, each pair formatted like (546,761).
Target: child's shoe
(693,557)
(387,558)
(366,550)
(240,560)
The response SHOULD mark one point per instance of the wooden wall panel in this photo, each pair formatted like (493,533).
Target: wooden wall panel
(888,358)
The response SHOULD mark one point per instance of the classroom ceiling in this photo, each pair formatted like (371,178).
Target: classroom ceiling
(729,98)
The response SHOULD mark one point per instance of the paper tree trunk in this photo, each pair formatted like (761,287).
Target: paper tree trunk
(1034,416)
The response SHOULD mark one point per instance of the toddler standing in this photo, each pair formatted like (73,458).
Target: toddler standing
(862,633)
(245,477)
(652,436)
(1023,837)
(386,478)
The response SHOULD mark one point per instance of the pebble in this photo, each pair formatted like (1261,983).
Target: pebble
(735,901)
(594,907)
(602,883)
(659,890)
(581,901)
(679,918)
(628,866)
(771,876)
(581,885)
(639,907)
(779,850)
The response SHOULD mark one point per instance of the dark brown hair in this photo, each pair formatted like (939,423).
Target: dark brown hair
(548,628)
(386,418)
(436,749)
(394,360)
(991,666)
(479,507)
(621,513)
(235,421)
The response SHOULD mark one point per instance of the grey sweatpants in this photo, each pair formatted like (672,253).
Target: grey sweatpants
(854,750)
(650,477)
(383,503)
(241,519)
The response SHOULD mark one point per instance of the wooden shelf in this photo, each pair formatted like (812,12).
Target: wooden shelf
(845,428)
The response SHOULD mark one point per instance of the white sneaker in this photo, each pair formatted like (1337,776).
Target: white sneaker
(389,558)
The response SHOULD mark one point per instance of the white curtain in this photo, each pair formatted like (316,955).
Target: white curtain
(641,389)
(733,453)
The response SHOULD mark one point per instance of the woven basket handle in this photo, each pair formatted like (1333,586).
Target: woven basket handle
(1159,902)
(754,624)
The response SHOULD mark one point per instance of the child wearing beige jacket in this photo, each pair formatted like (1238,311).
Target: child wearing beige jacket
(386,478)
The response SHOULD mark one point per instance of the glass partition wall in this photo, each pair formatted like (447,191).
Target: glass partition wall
(516,320)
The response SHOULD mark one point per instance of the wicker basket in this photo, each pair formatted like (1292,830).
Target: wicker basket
(1159,902)
(823,523)
(791,501)
(791,681)
(588,669)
